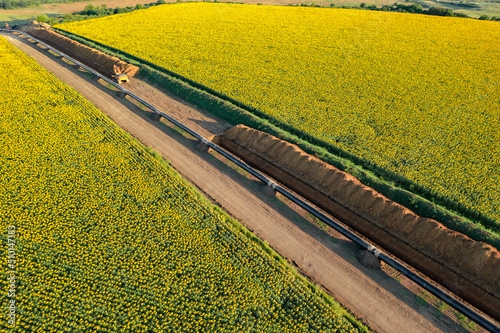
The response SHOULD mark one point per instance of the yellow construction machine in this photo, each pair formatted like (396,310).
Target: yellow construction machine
(119,76)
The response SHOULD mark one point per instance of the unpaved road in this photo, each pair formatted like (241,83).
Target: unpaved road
(374,296)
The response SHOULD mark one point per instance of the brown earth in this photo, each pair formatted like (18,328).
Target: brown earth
(95,59)
(380,298)
(443,254)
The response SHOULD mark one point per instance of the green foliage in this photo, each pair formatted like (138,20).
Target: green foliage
(96,11)
(416,7)
(7,4)
(440,11)
(464,4)
(42,18)
(484,17)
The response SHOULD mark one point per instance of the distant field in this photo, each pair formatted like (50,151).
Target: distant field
(489,8)
(109,240)
(415,94)
(19,16)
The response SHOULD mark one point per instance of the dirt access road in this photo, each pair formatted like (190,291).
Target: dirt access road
(378,297)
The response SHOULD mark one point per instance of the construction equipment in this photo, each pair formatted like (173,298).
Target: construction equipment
(119,76)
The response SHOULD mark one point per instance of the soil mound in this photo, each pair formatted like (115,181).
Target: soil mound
(367,259)
(478,262)
(95,59)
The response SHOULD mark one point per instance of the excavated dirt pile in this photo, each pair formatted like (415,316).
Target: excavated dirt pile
(95,59)
(404,231)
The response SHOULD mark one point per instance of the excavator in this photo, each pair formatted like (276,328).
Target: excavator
(119,76)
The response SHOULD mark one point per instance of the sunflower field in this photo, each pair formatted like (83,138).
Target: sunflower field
(416,95)
(109,240)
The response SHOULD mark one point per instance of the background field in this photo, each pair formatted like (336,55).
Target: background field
(108,240)
(414,94)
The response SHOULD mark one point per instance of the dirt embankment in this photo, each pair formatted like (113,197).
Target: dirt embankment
(95,59)
(470,269)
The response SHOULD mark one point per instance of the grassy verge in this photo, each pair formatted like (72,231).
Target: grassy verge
(422,201)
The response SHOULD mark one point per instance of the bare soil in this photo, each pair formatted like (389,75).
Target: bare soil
(383,300)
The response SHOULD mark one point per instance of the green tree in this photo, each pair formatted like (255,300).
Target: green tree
(440,11)
(42,18)
(52,21)
(484,17)
(90,10)
(415,8)
(68,18)
(7,4)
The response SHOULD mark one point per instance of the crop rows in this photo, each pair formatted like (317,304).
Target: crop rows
(108,240)
(416,95)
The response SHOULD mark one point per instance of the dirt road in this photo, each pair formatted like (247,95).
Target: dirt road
(380,299)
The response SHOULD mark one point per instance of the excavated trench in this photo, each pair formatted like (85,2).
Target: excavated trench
(468,268)
(97,60)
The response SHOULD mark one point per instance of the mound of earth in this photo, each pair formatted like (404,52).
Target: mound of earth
(476,261)
(95,59)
